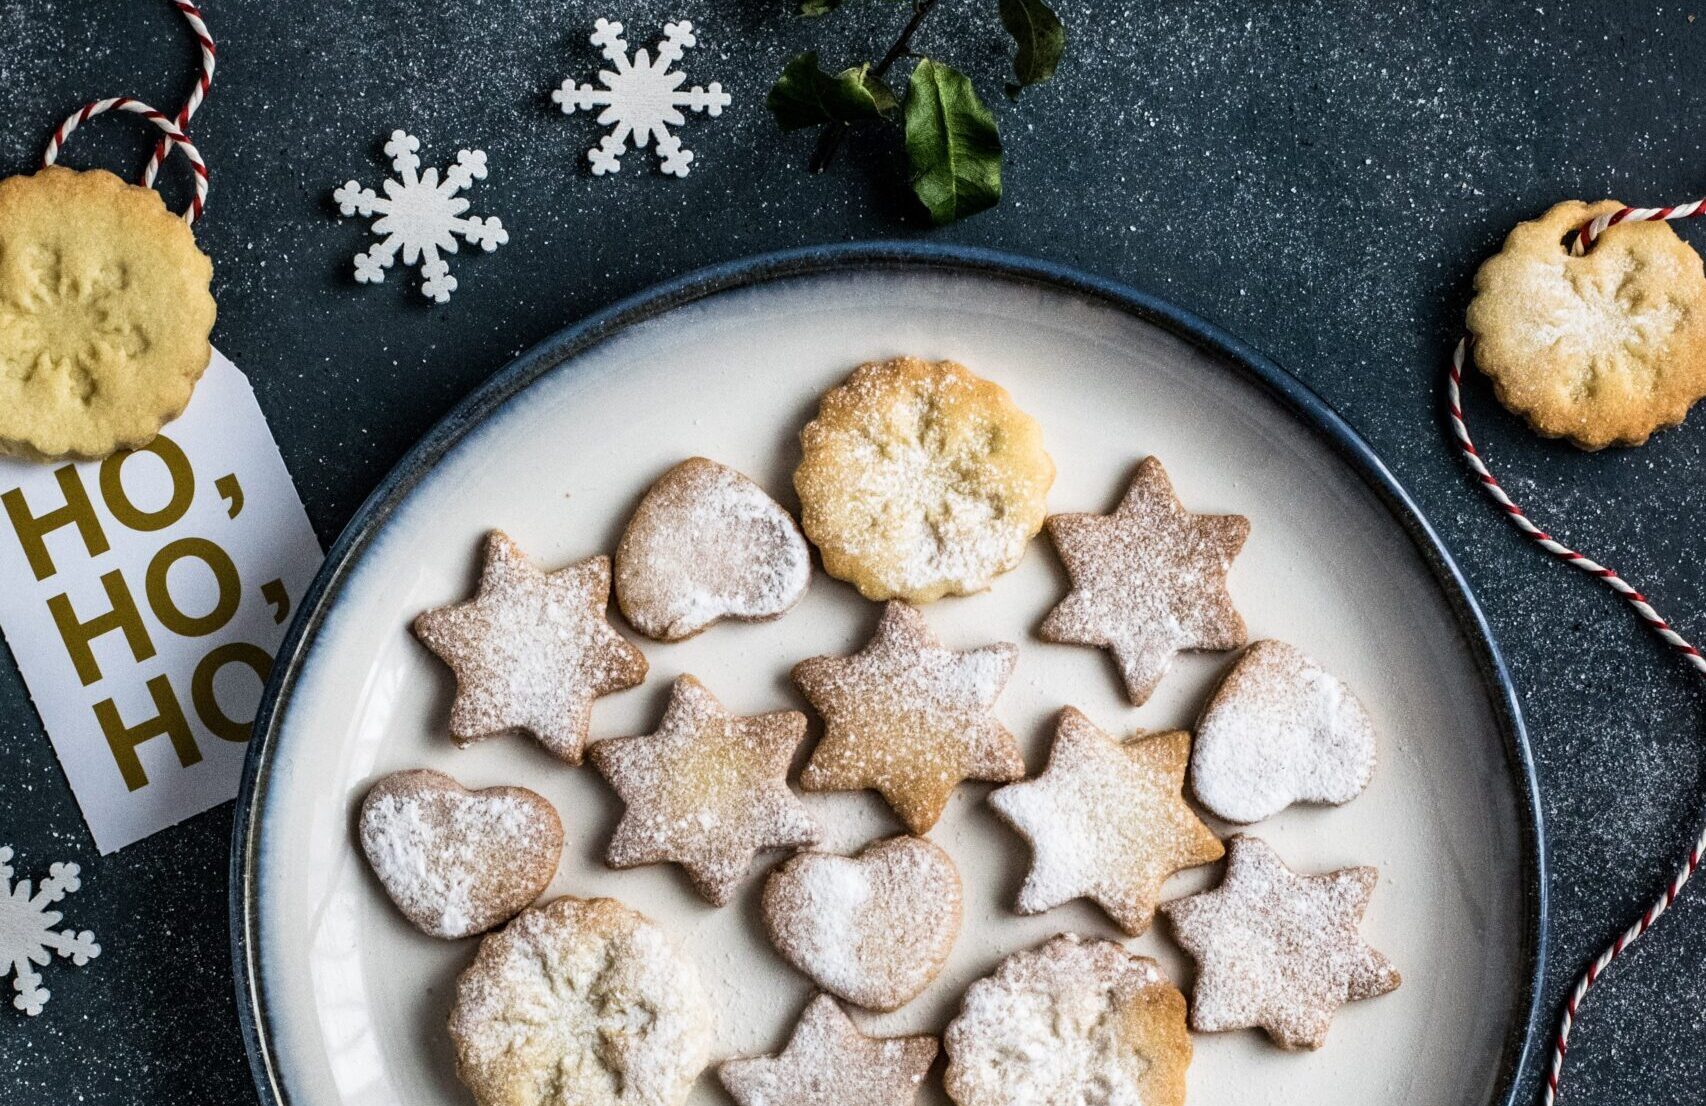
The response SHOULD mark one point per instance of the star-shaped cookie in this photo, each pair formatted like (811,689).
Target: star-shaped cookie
(707,790)
(531,650)
(909,718)
(1277,949)
(1106,822)
(1147,581)
(828,1062)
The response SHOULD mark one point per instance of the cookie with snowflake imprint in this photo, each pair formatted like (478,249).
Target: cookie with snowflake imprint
(1148,580)
(458,862)
(828,1062)
(874,928)
(908,718)
(707,790)
(1601,349)
(1277,949)
(918,479)
(531,650)
(1280,729)
(581,1002)
(705,544)
(1106,821)
(1075,1020)
(105,314)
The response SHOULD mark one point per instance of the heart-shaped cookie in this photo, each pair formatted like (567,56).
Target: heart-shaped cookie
(458,862)
(874,928)
(1279,730)
(706,544)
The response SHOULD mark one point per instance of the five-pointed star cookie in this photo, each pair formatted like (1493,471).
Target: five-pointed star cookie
(1276,949)
(1106,822)
(707,790)
(531,650)
(828,1062)
(909,718)
(1147,580)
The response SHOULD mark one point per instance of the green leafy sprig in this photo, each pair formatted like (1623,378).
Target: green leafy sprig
(953,146)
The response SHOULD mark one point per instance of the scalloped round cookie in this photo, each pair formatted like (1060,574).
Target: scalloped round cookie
(1601,349)
(105,314)
(919,479)
(1075,1020)
(582,1002)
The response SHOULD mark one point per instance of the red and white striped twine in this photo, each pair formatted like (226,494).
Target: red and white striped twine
(1454,409)
(174,134)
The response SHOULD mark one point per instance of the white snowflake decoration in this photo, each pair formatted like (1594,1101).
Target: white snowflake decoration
(27,936)
(641,99)
(420,215)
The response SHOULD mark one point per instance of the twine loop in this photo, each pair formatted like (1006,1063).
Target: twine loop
(173,131)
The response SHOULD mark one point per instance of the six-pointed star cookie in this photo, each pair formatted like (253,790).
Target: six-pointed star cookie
(828,1062)
(1106,821)
(706,791)
(531,650)
(909,718)
(1147,580)
(1276,949)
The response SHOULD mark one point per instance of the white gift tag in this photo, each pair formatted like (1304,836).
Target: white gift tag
(143,597)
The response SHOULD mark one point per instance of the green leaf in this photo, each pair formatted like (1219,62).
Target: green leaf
(805,96)
(952,143)
(1040,39)
(818,7)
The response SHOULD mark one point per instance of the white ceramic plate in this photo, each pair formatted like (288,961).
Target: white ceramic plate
(345,1003)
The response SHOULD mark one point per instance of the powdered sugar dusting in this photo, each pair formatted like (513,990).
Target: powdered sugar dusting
(1106,821)
(1280,729)
(874,928)
(458,862)
(921,480)
(581,1003)
(1276,949)
(1147,580)
(531,650)
(706,543)
(828,1062)
(707,790)
(1054,1026)
(909,718)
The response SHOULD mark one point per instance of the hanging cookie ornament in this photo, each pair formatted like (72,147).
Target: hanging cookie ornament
(1591,324)
(105,308)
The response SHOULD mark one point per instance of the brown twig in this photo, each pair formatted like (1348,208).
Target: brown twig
(829,142)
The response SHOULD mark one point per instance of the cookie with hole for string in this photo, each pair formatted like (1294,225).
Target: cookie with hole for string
(105,313)
(1600,349)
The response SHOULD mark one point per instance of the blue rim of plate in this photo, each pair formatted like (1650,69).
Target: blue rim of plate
(809,261)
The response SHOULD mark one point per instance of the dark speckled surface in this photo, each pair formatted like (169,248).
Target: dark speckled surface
(1319,178)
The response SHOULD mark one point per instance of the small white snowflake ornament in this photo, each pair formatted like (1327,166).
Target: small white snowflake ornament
(641,99)
(420,215)
(27,936)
